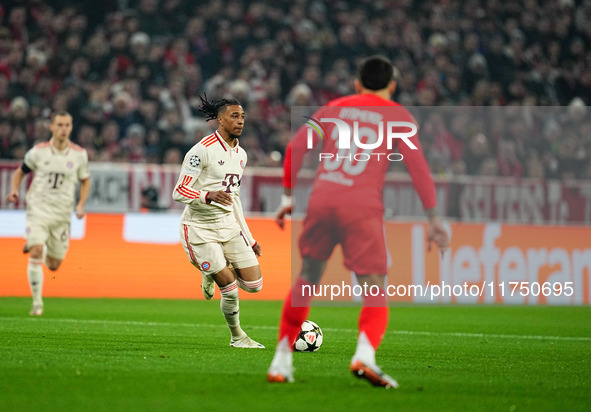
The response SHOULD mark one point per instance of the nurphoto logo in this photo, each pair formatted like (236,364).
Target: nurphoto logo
(365,130)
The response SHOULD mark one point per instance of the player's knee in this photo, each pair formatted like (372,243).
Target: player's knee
(52,264)
(251,286)
(229,292)
(36,252)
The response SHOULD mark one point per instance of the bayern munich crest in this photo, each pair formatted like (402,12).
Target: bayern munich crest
(205,265)
(242,164)
(194,161)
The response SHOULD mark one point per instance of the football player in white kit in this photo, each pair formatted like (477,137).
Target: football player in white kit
(58,165)
(213,230)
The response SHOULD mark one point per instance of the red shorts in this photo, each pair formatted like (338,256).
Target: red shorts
(361,237)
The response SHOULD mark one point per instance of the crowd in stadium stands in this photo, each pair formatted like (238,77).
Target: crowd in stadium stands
(130,73)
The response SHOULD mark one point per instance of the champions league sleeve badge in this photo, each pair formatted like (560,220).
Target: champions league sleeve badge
(194,161)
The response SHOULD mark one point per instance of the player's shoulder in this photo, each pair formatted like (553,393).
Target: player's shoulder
(209,142)
(342,101)
(76,148)
(366,99)
(197,155)
(42,149)
(42,145)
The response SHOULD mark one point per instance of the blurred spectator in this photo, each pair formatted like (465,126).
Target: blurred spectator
(173,156)
(534,166)
(123,113)
(5,133)
(133,144)
(108,141)
(478,151)
(149,201)
(509,164)
(489,167)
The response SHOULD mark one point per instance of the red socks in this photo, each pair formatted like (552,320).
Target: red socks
(373,318)
(295,311)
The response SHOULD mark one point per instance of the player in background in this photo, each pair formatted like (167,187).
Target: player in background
(213,230)
(58,165)
(347,208)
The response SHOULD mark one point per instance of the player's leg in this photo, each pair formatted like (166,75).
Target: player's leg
(244,263)
(373,321)
(250,279)
(36,238)
(52,263)
(190,239)
(206,254)
(230,307)
(35,277)
(297,304)
(229,303)
(295,311)
(318,239)
(46,244)
(209,259)
(364,249)
(57,245)
(373,318)
(316,245)
(244,272)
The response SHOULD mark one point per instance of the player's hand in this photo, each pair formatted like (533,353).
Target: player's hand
(12,197)
(80,212)
(280,215)
(257,249)
(437,233)
(220,197)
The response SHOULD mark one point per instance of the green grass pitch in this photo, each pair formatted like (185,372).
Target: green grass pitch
(171,355)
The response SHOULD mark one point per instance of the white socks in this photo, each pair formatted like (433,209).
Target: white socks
(365,351)
(283,359)
(35,276)
(230,307)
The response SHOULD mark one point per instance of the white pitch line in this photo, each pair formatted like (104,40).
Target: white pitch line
(335,330)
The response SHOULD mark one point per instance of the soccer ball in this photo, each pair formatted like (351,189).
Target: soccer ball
(309,339)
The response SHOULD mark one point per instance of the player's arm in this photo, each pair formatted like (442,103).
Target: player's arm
(27,165)
(84,176)
(436,232)
(193,165)
(17,178)
(292,162)
(418,168)
(285,208)
(239,215)
(84,192)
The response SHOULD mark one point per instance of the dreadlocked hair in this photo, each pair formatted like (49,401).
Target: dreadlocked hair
(212,108)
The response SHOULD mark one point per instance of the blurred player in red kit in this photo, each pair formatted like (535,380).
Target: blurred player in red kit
(346,208)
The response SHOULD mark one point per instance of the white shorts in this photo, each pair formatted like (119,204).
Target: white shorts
(210,249)
(55,235)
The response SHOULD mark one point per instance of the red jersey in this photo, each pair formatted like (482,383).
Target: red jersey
(354,177)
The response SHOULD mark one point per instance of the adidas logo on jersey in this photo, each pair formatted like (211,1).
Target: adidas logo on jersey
(221,162)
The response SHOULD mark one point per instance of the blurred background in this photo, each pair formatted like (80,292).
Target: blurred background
(130,73)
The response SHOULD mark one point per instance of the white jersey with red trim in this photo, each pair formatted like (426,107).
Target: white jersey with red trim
(52,193)
(211,165)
